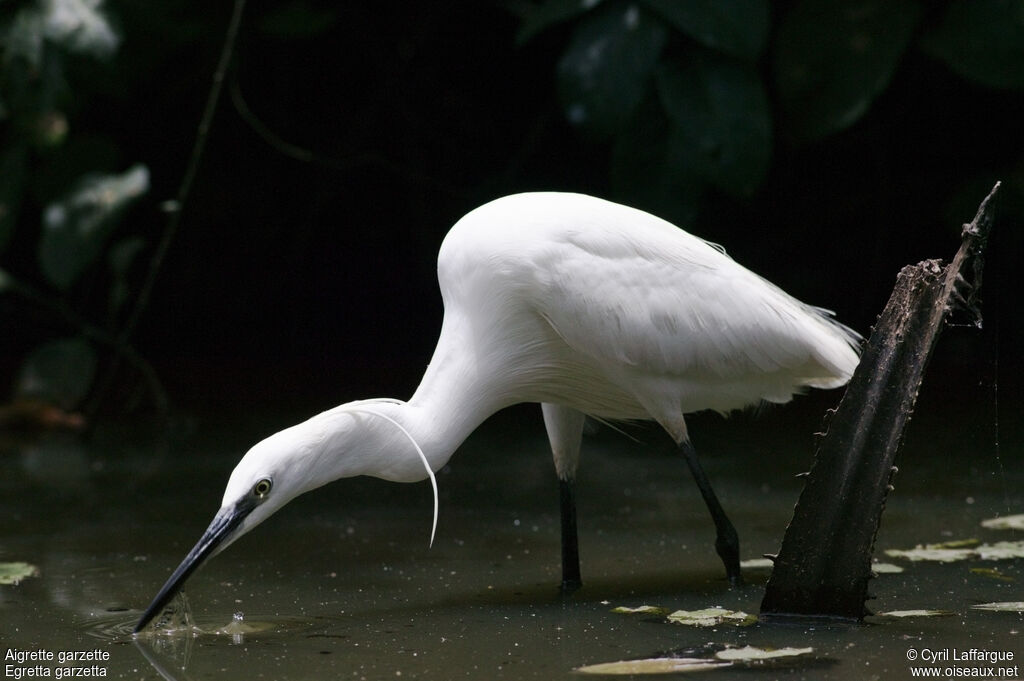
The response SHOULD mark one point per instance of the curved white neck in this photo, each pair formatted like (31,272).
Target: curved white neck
(375,437)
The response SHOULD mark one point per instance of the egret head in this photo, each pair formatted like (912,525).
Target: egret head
(332,445)
(270,475)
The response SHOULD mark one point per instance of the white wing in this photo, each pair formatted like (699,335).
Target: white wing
(653,310)
(643,298)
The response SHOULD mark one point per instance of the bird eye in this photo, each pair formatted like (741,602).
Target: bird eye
(262,488)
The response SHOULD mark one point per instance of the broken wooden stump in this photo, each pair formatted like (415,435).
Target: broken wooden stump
(824,565)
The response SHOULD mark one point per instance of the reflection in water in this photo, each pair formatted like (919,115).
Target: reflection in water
(169,643)
(177,673)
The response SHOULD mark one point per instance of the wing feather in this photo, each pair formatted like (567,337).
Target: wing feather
(666,302)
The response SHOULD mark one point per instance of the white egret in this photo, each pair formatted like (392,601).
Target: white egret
(583,305)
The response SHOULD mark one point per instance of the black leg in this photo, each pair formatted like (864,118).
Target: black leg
(727,542)
(570,547)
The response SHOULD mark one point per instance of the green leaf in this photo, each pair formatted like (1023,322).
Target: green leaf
(982,40)
(833,58)
(721,120)
(737,27)
(59,371)
(544,15)
(992,573)
(76,228)
(604,73)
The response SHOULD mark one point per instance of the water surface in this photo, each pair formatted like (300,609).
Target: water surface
(342,584)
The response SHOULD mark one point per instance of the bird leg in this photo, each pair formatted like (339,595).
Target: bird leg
(727,542)
(565,430)
(571,580)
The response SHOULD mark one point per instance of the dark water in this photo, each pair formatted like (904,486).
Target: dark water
(341,584)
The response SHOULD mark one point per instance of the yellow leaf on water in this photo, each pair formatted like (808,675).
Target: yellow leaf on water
(1006,522)
(1008,606)
(750,653)
(933,554)
(710,617)
(955,544)
(13,573)
(949,552)
(640,610)
(992,573)
(654,665)
(757,564)
(1001,550)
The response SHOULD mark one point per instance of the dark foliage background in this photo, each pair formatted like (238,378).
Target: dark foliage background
(825,145)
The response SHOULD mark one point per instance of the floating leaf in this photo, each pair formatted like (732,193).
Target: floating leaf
(947,552)
(757,564)
(833,58)
(605,70)
(76,227)
(886,569)
(738,27)
(13,573)
(711,617)
(654,665)
(750,653)
(1006,522)
(59,372)
(956,544)
(641,609)
(992,573)
(932,554)
(1001,550)
(721,120)
(916,613)
(1008,606)
(982,40)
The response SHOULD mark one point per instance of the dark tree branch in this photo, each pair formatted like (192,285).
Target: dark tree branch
(824,565)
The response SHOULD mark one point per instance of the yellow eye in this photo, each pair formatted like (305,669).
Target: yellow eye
(262,488)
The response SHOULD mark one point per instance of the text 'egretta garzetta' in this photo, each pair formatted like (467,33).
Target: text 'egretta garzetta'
(583,305)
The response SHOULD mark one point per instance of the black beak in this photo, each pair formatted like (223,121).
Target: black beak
(223,526)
